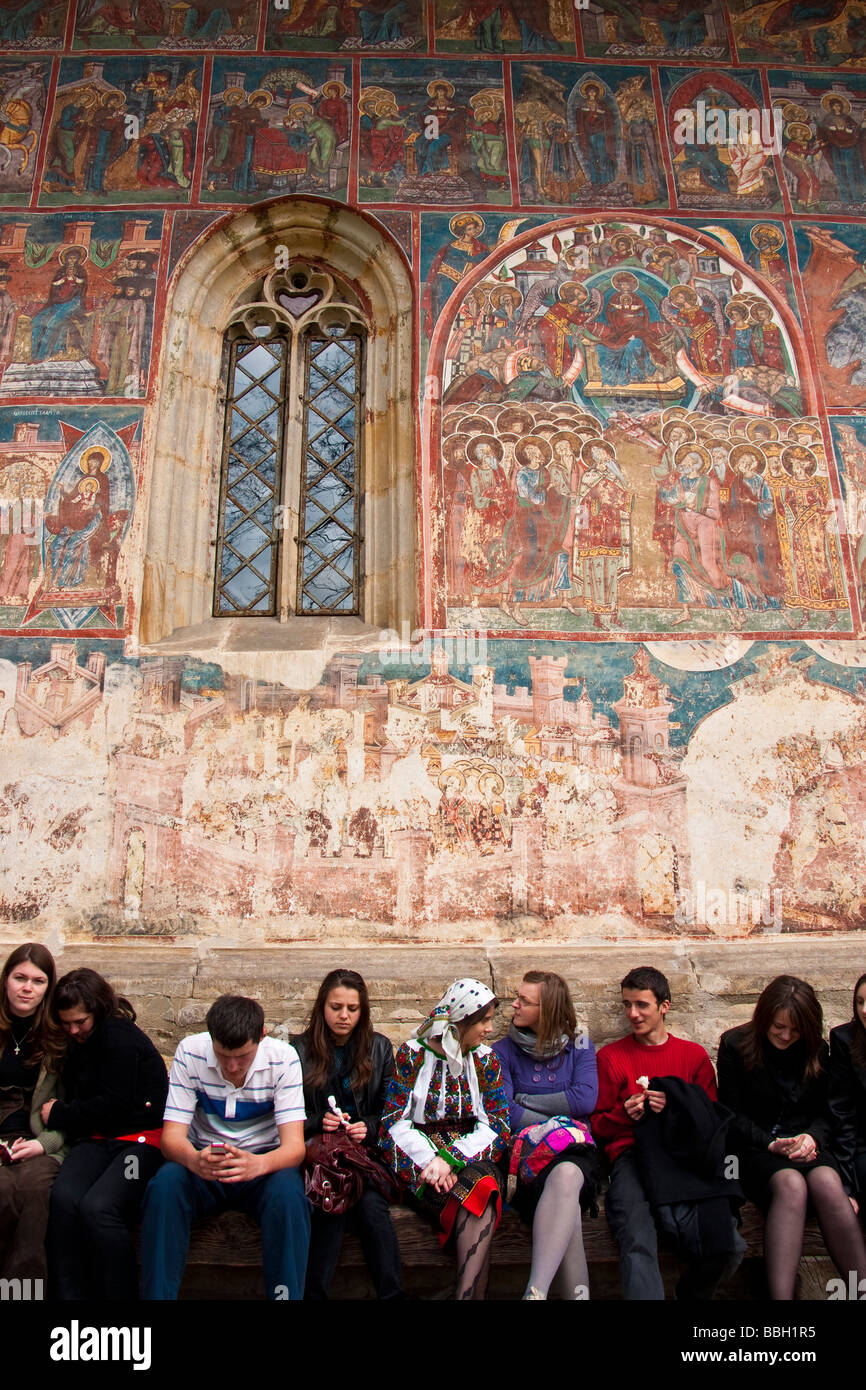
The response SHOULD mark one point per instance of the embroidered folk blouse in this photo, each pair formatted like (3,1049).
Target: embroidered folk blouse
(423,1092)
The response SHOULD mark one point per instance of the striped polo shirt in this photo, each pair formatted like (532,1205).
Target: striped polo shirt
(214,1109)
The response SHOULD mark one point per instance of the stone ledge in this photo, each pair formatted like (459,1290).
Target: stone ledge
(714,984)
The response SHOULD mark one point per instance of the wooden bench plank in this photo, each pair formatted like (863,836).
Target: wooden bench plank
(233,1239)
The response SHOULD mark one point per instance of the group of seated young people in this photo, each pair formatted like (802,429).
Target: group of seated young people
(95,1135)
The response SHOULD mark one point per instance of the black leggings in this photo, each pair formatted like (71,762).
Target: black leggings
(371,1221)
(94,1204)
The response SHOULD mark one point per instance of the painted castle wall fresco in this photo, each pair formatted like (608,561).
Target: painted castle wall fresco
(635,703)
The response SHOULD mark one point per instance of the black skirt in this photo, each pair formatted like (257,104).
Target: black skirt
(430,1203)
(759,1166)
(585,1156)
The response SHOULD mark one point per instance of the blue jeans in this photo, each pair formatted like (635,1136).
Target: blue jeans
(176,1197)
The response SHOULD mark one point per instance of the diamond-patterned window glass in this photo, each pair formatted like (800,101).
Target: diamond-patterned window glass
(329,535)
(247,542)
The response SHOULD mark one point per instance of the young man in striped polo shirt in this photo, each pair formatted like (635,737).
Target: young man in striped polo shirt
(234,1138)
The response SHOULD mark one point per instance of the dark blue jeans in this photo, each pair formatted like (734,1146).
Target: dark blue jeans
(177,1197)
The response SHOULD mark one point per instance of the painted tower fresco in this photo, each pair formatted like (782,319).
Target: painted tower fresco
(635,703)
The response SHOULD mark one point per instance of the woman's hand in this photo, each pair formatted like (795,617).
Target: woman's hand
(330,1122)
(357,1131)
(439,1174)
(804,1149)
(26,1148)
(800,1148)
(46,1110)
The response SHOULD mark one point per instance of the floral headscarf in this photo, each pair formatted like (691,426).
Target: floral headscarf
(461,999)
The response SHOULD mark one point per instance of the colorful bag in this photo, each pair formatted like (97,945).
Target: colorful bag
(530,1156)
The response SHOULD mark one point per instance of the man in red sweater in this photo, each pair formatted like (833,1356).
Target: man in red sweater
(624,1072)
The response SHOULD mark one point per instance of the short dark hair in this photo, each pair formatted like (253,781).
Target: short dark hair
(647,977)
(233,1020)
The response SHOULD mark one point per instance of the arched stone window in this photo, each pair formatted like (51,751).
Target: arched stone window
(301,272)
(291,495)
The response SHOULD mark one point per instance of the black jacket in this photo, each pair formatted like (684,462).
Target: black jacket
(847,1101)
(681,1149)
(114,1082)
(764,1109)
(370,1100)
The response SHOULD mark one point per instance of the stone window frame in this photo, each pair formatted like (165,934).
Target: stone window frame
(182,473)
(295,306)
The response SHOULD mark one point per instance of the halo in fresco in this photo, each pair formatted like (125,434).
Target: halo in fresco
(700,656)
(841,653)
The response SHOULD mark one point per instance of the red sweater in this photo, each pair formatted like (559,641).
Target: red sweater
(619,1066)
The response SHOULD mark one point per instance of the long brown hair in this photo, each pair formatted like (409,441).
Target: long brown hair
(48,1043)
(319,1043)
(87,990)
(797,998)
(858,1041)
(556,1011)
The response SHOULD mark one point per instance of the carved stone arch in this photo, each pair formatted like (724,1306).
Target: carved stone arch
(183,475)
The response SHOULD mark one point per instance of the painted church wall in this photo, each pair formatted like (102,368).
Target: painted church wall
(634,705)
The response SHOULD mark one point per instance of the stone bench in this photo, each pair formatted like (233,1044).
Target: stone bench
(225,1260)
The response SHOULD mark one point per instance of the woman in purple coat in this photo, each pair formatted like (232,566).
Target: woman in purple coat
(551,1082)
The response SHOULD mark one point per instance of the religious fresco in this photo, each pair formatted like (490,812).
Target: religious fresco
(399,224)
(277,127)
(824,140)
(516,26)
(365,26)
(762,245)
(642,474)
(206,24)
(77,303)
(829,33)
(660,29)
(186,228)
(833,270)
(587,136)
(33,24)
(22,108)
(849,439)
(432,133)
(451,245)
(123,130)
(623,445)
(639,789)
(67,480)
(719,160)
